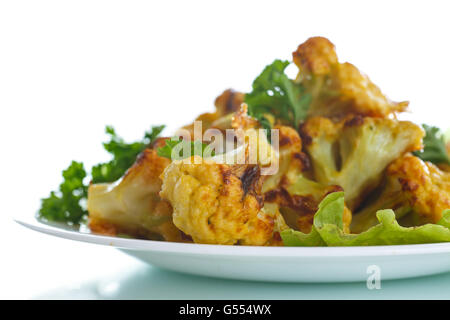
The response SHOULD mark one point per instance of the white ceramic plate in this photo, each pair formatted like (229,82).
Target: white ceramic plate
(285,264)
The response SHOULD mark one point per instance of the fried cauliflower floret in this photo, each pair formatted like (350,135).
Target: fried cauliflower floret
(289,159)
(291,188)
(354,152)
(213,205)
(293,173)
(338,89)
(226,104)
(417,191)
(248,144)
(292,161)
(426,187)
(132,205)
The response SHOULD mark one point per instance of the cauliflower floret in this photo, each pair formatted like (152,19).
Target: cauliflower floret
(214,205)
(226,104)
(426,187)
(354,152)
(338,89)
(292,161)
(249,144)
(417,191)
(291,187)
(132,204)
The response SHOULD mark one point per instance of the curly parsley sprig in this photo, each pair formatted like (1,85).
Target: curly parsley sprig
(434,146)
(123,155)
(273,93)
(174,149)
(68,204)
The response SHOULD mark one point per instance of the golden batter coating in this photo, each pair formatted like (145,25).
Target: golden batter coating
(338,89)
(213,205)
(354,152)
(426,187)
(132,204)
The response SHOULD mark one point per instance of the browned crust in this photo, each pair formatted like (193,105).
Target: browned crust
(339,88)
(408,185)
(159,143)
(306,138)
(300,204)
(426,186)
(228,102)
(317,55)
(110,229)
(356,120)
(149,163)
(304,159)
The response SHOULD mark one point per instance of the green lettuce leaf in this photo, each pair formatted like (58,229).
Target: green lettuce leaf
(328,226)
(292,238)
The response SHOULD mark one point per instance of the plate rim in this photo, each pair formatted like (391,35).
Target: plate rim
(238,251)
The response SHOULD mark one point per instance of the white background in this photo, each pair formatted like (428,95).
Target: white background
(68,68)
